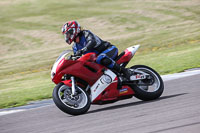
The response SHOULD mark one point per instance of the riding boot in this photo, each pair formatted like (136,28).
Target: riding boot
(122,70)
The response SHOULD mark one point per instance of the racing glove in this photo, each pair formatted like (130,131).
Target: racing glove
(81,51)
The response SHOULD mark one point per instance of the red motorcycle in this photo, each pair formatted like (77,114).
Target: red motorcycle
(80,82)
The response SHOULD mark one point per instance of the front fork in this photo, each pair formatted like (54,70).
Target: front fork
(74,90)
(73,86)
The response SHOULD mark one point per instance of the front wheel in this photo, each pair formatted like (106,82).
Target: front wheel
(148,89)
(65,101)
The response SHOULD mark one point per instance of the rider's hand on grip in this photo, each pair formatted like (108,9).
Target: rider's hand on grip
(72,57)
(78,53)
(81,51)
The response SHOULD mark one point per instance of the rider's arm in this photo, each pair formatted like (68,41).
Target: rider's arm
(74,47)
(90,39)
(92,42)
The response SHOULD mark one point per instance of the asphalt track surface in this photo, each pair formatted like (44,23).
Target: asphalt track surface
(177,110)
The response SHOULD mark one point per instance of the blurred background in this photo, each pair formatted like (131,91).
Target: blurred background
(31,40)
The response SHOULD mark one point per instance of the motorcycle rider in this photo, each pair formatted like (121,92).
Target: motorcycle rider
(85,41)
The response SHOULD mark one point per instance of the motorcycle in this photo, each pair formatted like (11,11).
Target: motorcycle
(80,82)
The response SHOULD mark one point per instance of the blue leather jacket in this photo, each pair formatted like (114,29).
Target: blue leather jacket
(90,43)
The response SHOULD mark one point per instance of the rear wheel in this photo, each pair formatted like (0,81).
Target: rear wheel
(65,101)
(150,88)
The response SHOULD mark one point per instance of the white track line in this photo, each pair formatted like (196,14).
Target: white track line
(164,77)
(10,111)
(179,75)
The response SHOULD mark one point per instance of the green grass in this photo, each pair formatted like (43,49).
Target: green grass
(30,38)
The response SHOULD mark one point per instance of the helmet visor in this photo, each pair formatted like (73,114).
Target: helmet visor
(68,36)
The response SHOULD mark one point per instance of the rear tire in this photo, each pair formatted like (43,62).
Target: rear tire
(77,105)
(141,92)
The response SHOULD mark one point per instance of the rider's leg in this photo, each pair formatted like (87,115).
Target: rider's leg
(113,65)
(107,57)
(123,70)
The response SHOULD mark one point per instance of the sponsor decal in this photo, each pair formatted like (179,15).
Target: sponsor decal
(139,76)
(124,90)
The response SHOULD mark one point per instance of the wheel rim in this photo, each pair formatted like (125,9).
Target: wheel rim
(76,102)
(151,88)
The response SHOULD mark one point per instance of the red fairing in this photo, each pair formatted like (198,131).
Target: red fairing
(63,64)
(126,57)
(85,68)
(110,93)
(67,82)
(88,57)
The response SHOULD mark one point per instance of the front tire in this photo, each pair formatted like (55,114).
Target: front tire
(143,92)
(74,105)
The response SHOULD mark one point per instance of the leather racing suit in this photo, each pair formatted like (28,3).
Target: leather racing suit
(91,43)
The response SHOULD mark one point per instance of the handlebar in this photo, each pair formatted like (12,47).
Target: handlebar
(73,57)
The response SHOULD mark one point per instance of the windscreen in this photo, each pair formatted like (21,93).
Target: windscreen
(64,52)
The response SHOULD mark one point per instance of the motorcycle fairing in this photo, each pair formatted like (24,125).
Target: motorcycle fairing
(56,64)
(92,71)
(107,80)
(105,88)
